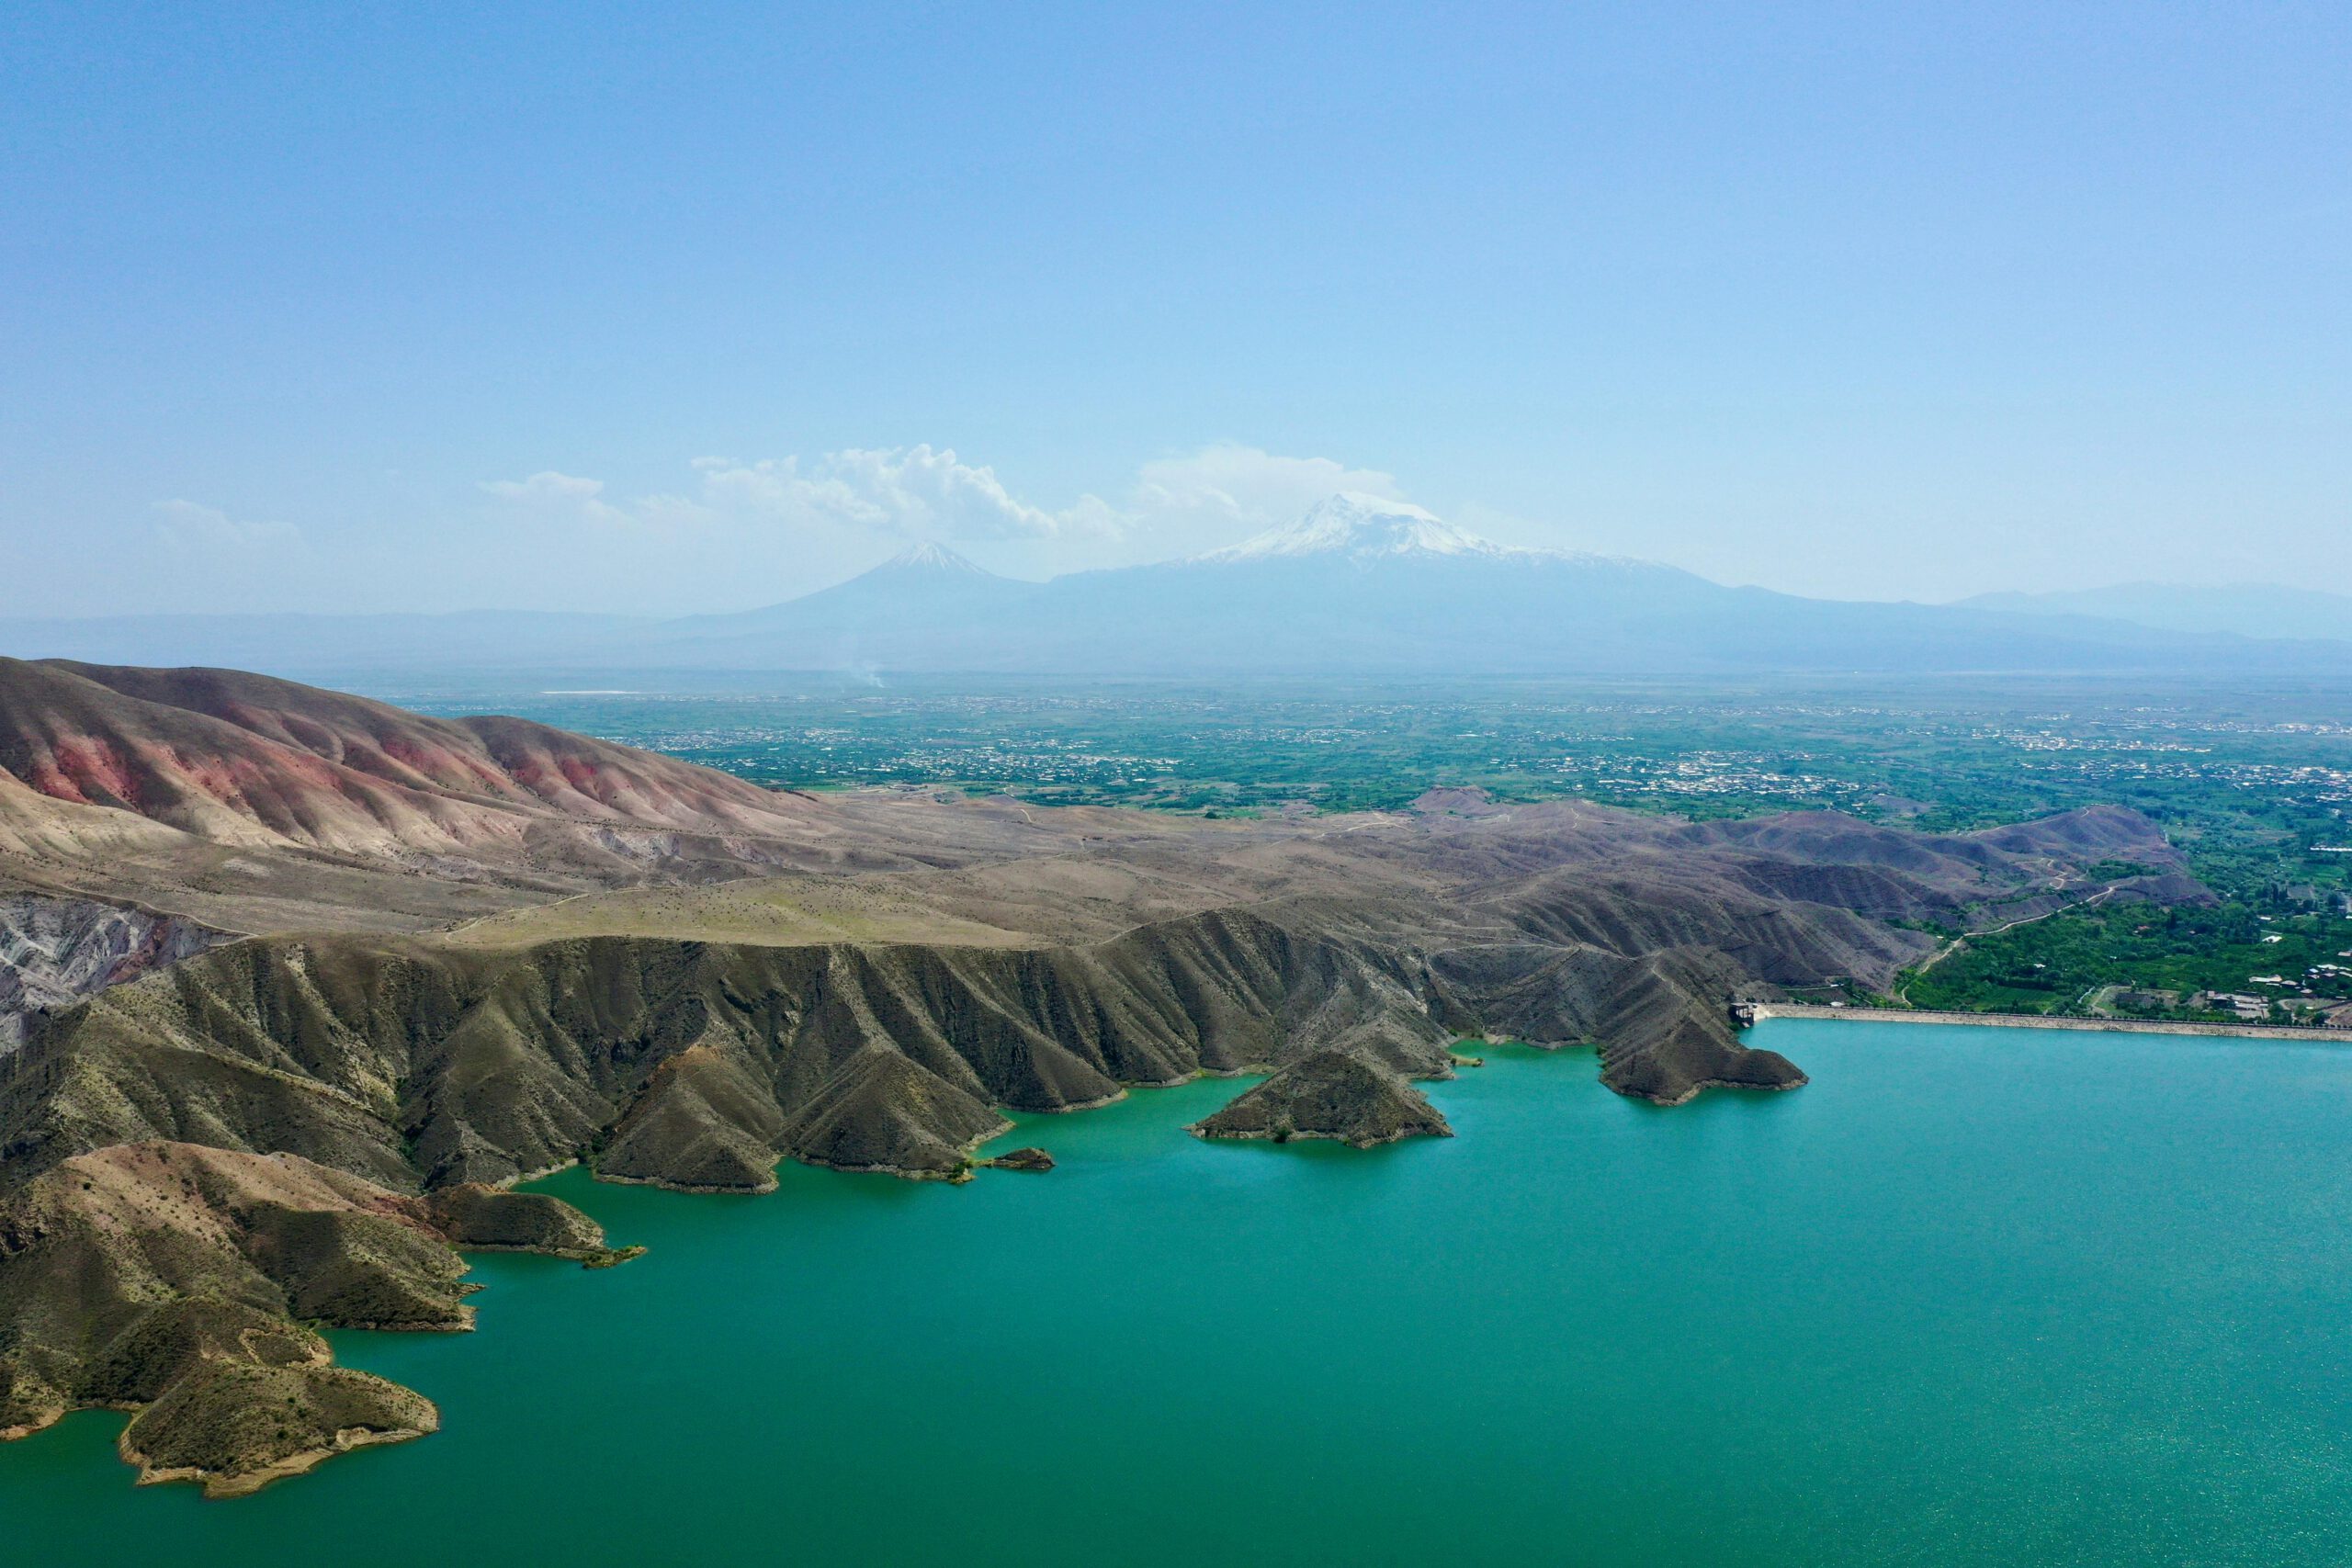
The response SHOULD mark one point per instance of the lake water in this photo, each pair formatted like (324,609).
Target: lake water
(1974,1296)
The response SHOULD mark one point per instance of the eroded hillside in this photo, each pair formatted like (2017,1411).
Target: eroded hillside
(246,922)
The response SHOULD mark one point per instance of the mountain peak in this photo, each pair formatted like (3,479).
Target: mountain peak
(1360,527)
(932,557)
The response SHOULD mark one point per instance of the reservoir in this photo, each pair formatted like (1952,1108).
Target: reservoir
(1974,1296)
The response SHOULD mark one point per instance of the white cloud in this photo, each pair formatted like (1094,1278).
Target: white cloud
(1231,487)
(550,493)
(915,491)
(548,487)
(193,526)
(839,505)
(777,487)
(931,493)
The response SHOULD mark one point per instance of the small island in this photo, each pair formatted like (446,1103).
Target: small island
(1329,1094)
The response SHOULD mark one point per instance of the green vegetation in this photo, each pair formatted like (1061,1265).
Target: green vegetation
(2256,788)
(2136,961)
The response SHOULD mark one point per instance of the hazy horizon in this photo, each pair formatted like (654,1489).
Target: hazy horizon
(893,554)
(2092,598)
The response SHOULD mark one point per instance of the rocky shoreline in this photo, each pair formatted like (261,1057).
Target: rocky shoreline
(244,1483)
(181,1284)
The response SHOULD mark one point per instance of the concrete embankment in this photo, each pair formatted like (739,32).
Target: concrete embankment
(2042,1021)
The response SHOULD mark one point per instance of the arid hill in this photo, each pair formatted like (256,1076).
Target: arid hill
(1331,1094)
(245,760)
(179,1282)
(156,812)
(252,803)
(430,958)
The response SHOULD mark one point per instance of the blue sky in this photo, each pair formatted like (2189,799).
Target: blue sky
(688,307)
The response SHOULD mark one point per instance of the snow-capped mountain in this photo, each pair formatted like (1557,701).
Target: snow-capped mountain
(929,557)
(1360,586)
(1360,527)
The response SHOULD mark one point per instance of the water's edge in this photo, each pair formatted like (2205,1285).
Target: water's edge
(1759,1011)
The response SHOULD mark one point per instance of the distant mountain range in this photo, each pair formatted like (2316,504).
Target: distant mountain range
(2244,609)
(1359,586)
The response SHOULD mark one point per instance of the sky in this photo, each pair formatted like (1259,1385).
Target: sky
(700,307)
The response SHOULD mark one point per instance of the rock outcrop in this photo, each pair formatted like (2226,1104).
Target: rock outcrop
(55,950)
(1331,1094)
(487,1219)
(882,1111)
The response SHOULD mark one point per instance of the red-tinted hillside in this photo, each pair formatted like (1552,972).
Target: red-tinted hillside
(246,759)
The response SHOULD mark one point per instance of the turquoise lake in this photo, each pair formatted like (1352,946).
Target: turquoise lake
(1974,1297)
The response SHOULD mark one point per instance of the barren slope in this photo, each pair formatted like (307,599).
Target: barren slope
(179,1282)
